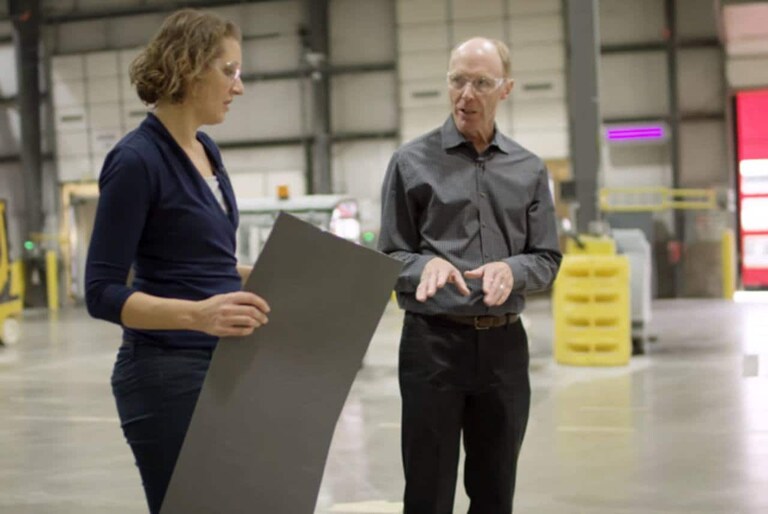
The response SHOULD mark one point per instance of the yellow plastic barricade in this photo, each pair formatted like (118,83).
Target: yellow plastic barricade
(592,310)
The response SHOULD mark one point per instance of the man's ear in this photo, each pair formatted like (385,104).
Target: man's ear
(508,88)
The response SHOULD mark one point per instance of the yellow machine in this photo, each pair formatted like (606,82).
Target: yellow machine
(11,287)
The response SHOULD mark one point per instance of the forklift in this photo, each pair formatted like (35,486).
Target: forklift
(11,301)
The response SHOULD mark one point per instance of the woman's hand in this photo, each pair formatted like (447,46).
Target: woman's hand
(231,314)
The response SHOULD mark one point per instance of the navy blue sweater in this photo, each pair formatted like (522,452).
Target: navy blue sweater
(157,214)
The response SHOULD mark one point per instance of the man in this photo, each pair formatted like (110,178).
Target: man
(466,206)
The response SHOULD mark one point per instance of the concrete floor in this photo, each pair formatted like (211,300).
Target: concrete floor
(683,429)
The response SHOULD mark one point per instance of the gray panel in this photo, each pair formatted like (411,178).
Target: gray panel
(634,84)
(263,424)
(696,18)
(361,31)
(700,80)
(267,110)
(631,21)
(703,154)
(364,102)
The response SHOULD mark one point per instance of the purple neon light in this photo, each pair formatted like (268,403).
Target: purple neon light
(635,133)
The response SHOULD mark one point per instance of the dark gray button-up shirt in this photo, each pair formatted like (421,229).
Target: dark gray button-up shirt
(441,199)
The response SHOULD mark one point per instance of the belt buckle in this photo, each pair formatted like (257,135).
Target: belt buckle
(479,325)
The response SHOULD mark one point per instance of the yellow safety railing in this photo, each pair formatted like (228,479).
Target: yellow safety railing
(728,262)
(5,259)
(647,199)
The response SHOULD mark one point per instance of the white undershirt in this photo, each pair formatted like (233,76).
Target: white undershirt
(213,183)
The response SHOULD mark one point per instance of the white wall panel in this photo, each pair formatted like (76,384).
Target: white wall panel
(696,19)
(294,179)
(73,169)
(8,82)
(631,21)
(71,144)
(97,161)
(271,17)
(250,184)
(747,47)
(424,93)
(633,84)
(103,139)
(546,143)
(277,53)
(463,30)
(364,102)
(361,31)
(69,93)
(421,11)
(746,72)
(101,64)
(67,67)
(107,115)
(535,29)
(358,170)
(132,114)
(472,9)
(274,158)
(639,176)
(102,90)
(538,114)
(540,57)
(419,120)
(504,117)
(124,59)
(267,110)
(526,7)
(700,85)
(703,154)
(70,118)
(424,65)
(637,165)
(426,36)
(533,86)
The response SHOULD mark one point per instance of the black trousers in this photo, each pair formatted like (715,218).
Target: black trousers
(156,390)
(453,380)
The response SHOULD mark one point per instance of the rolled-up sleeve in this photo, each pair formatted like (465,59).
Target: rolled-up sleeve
(124,202)
(536,267)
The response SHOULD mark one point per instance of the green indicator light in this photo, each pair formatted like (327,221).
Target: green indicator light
(368,237)
(29,245)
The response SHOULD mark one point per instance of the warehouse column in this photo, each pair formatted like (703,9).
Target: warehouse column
(25,16)
(583,105)
(316,56)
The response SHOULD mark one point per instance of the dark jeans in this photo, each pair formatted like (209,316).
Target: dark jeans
(454,378)
(156,390)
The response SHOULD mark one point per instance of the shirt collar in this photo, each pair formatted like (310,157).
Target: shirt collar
(452,137)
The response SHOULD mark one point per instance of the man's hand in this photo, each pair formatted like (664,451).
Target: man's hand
(436,274)
(497,281)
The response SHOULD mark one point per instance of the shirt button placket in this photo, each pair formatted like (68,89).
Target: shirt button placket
(482,208)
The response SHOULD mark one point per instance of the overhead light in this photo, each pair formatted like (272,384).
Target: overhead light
(635,133)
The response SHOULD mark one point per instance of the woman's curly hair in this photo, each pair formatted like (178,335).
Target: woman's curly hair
(186,44)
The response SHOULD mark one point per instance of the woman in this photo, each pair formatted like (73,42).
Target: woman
(167,209)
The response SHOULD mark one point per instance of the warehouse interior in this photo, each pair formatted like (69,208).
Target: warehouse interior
(650,116)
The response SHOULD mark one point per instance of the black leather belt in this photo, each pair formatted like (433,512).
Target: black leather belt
(483,322)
